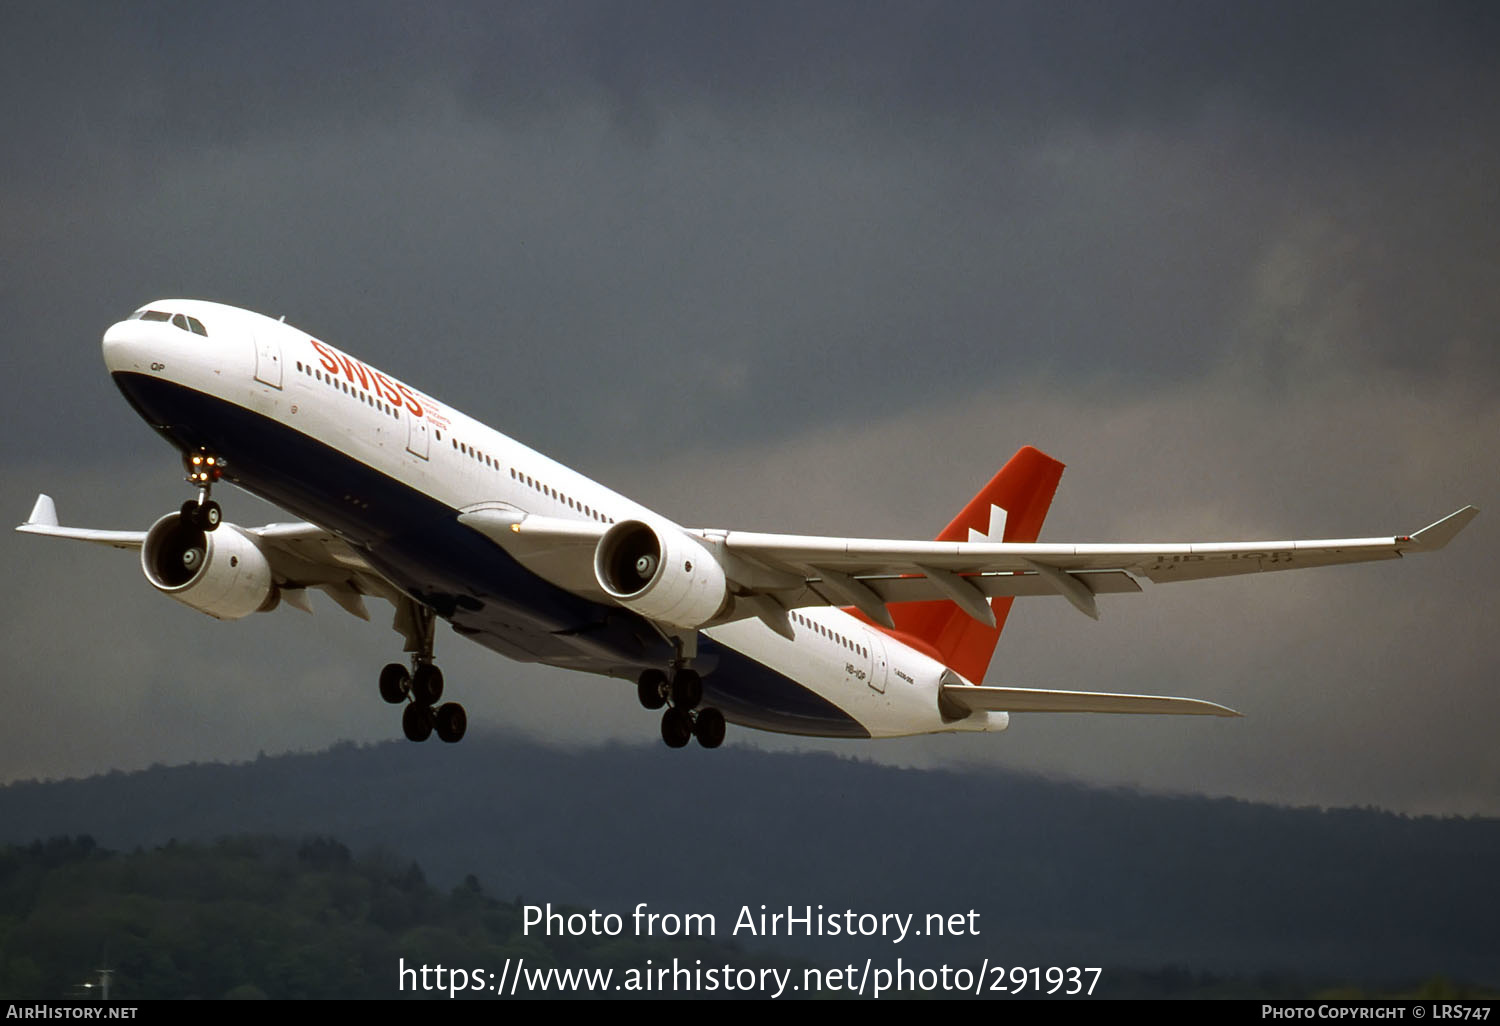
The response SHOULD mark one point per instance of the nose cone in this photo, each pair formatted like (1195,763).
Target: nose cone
(126,346)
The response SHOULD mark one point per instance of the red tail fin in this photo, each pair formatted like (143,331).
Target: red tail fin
(1018,498)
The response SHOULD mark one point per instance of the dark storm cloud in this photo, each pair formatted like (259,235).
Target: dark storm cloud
(216,73)
(785,201)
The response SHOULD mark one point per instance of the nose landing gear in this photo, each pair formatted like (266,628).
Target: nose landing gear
(203,469)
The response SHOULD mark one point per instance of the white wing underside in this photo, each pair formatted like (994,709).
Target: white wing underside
(301,555)
(800,570)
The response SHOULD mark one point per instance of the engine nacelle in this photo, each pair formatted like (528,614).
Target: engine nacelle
(222,573)
(662,573)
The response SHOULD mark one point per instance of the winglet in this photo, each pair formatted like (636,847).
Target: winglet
(43,521)
(1428,539)
(44,512)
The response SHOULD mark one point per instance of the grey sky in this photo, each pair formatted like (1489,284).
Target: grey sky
(803,267)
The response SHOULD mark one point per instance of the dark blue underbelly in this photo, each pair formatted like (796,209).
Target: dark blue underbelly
(418,544)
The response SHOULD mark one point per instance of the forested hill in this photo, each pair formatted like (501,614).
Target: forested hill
(1060,874)
(254,917)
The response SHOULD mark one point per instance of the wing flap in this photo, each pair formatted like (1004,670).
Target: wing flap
(907,588)
(972,698)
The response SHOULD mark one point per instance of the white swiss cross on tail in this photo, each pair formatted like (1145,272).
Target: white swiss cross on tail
(1016,498)
(996,531)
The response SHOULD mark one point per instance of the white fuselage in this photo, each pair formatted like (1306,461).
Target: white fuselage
(247,363)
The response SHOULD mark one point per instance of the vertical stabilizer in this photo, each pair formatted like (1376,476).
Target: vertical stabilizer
(1010,508)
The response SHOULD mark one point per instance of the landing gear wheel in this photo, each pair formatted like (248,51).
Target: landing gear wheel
(427,685)
(652,689)
(416,723)
(395,683)
(204,516)
(687,689)
(708,728)
(451,722)
(676,727)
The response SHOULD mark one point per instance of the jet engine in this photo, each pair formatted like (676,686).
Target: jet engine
(662,573)
(222,573)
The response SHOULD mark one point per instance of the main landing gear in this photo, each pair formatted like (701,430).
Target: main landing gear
(682,721)
(421,687)
(203,469)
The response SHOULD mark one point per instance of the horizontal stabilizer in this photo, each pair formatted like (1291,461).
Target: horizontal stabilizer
(975,699)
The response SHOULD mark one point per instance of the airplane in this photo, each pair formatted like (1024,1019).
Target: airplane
(402,498)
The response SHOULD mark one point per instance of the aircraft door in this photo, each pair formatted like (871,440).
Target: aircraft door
(267,360)
(878,666)
(417,433)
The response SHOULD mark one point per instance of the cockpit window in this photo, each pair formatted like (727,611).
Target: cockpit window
(182,321)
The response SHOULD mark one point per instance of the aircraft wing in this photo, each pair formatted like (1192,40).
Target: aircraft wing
(301,556)
(43,521)
(771,573)
(879,571)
